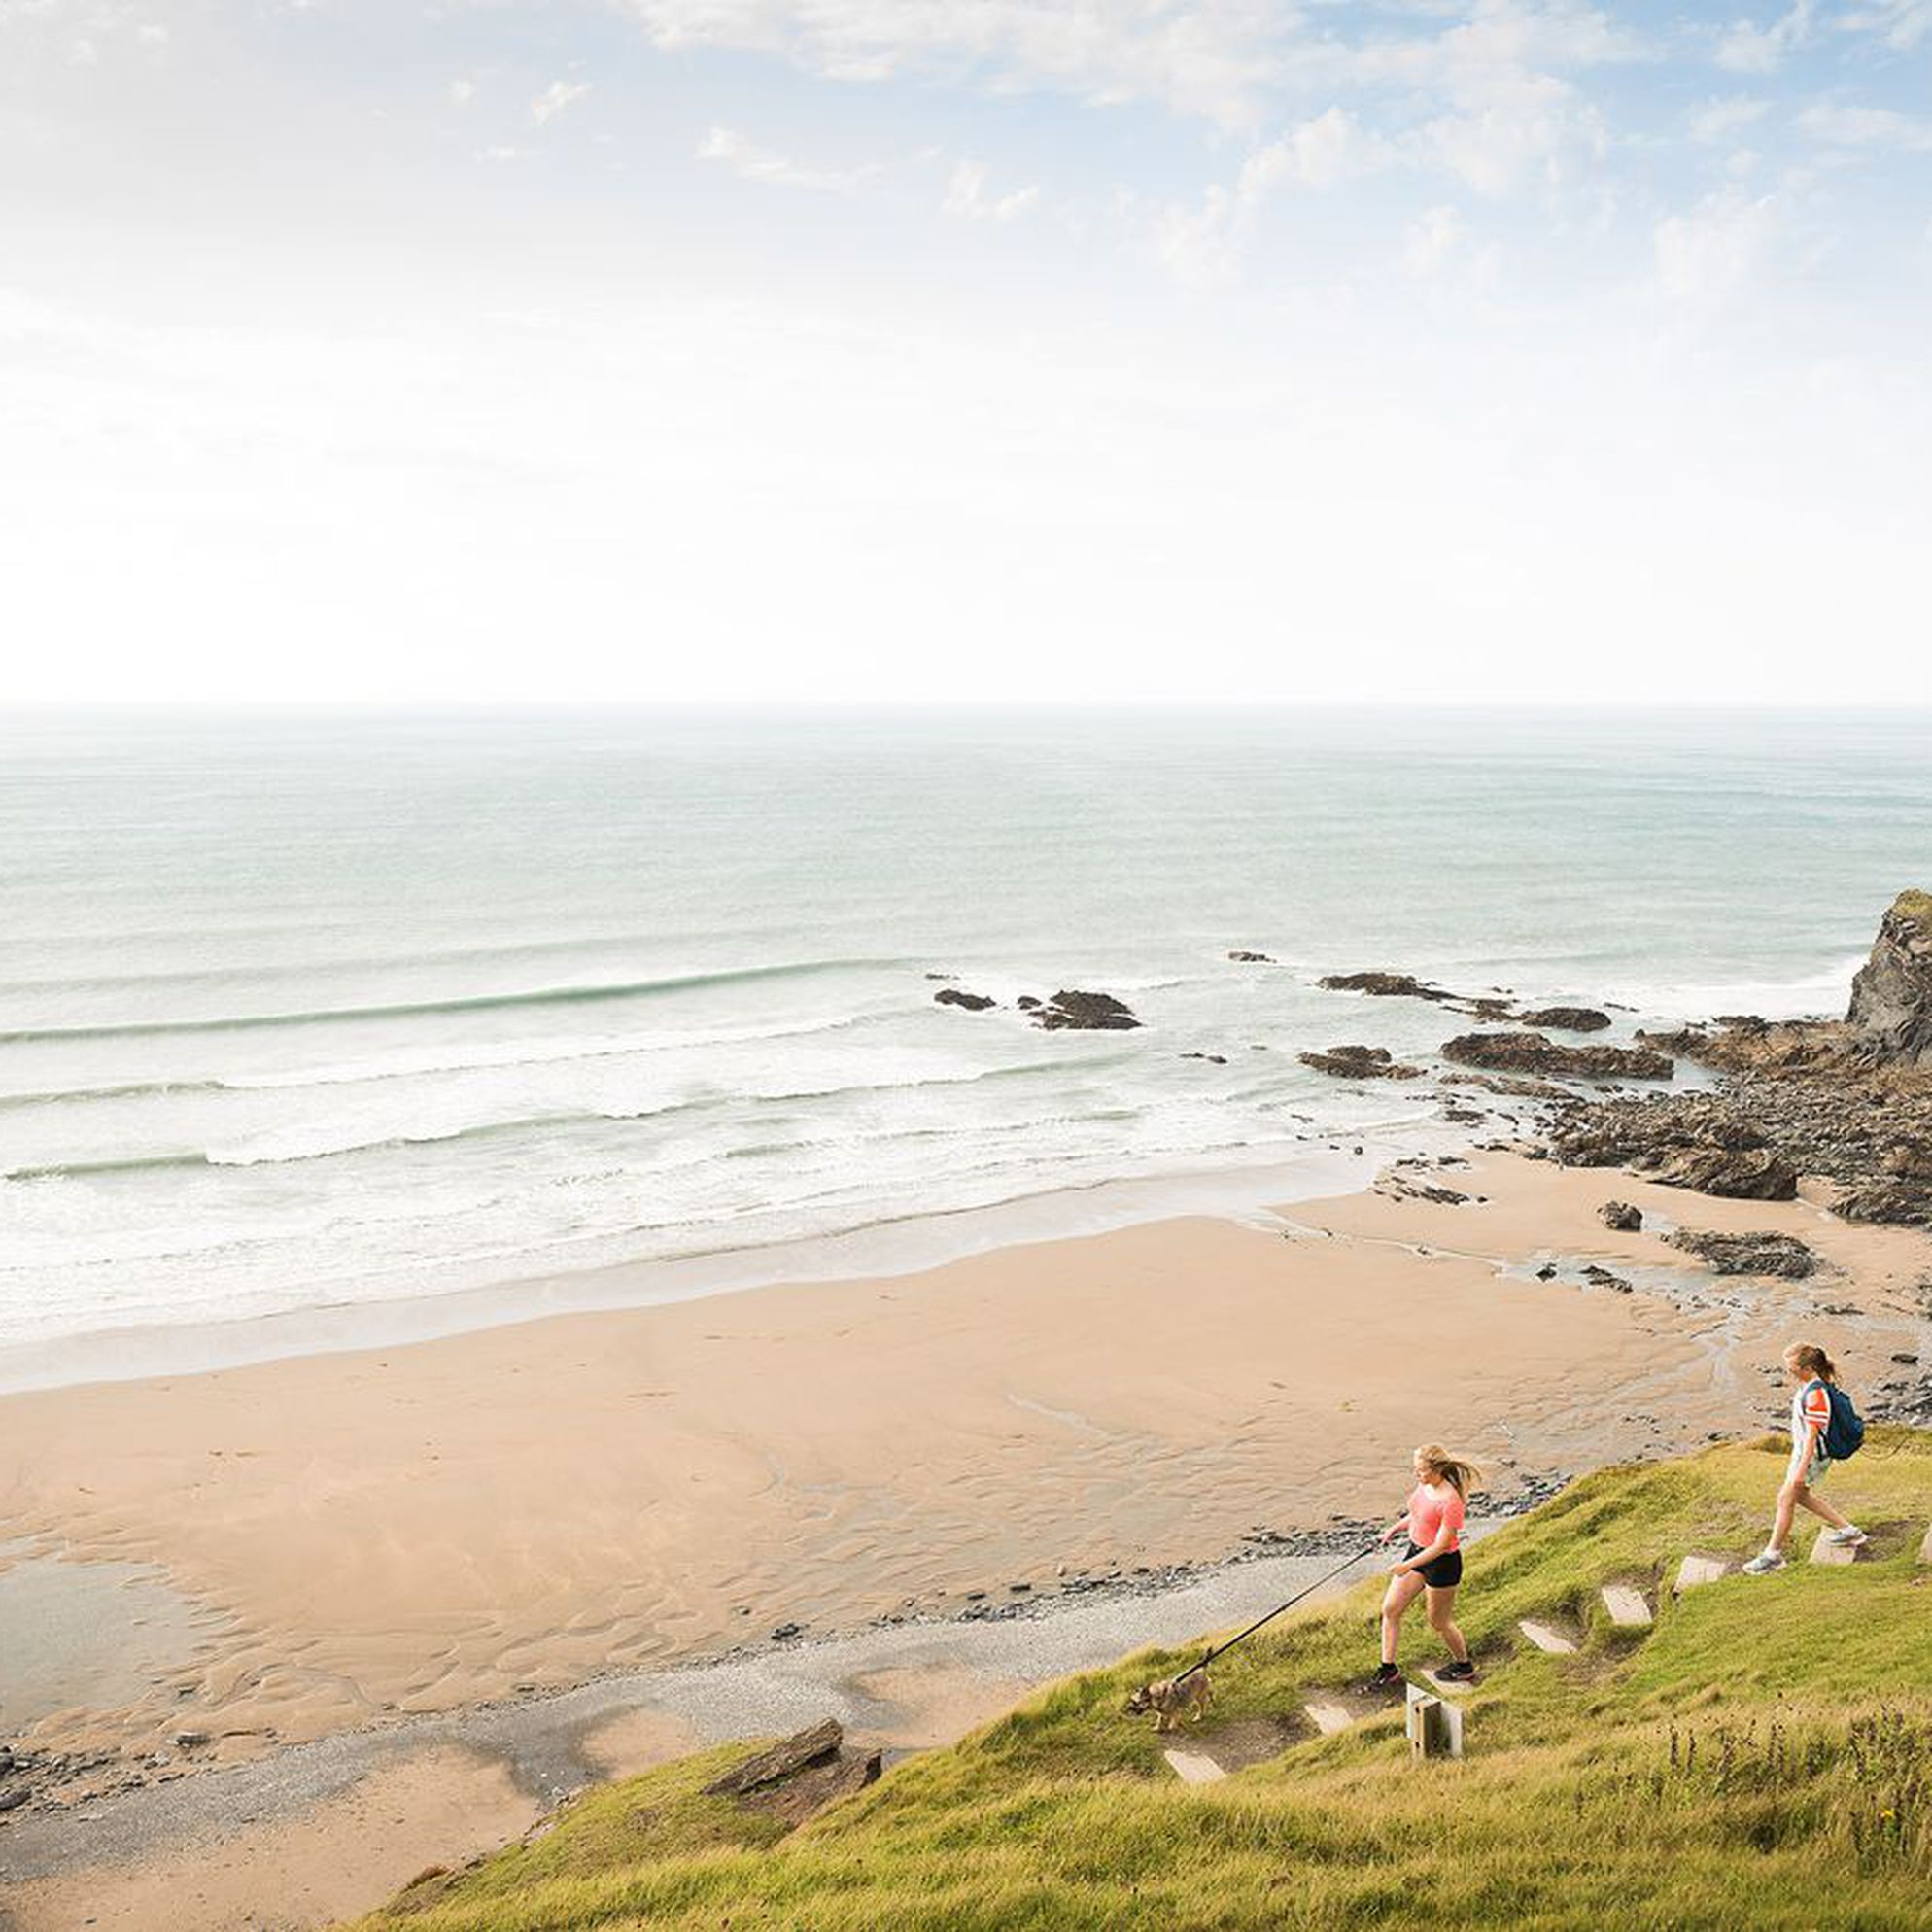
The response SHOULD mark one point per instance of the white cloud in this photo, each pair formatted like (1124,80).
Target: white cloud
(461,91)
(1716,122)
(1899,23)
(1709,255)
(1433,240)
(555,98)
(1874,129)
(1749,49)
(752,162)
(1214,58)
(966,197)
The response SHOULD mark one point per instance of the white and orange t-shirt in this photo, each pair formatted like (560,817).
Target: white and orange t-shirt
(1810,1409)
(1432,1511)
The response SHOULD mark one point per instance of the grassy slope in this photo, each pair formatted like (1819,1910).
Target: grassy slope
(1762,1759)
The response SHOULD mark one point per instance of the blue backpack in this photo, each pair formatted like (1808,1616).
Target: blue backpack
(1845,1433)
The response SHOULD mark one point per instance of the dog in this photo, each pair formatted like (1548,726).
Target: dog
(1171,1699)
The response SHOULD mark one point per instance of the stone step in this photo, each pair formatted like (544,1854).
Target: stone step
(1824,1550)
(1329,1719)
(1699,1570)
(1628,1608)
(1192,1768)
(1450,1687)
(1546,1639)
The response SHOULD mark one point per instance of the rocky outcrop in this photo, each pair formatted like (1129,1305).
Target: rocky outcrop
(1621,1218)
(783,1760)
(1566,1019)
(1760,1254)
(1888,1201)
(1090,1012)
(972,1002)
(1251,958)
(1534,1054)
(1359,1064)
(796,1779)
(1384,985)
(1734,1174)
(1891,997)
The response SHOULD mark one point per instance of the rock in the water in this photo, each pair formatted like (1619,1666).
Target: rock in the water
(1746,1174)
(1761,1254)
(1891,997)
(802,1748)
(1621,1216)
(1359,1064)
(1384,985)
(972,1002)
(1251,958)
(1566,1019)
(1532,1053)
(1092,1011)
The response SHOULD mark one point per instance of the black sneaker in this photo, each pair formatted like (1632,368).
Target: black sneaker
(1462,1672)
(1387,1677)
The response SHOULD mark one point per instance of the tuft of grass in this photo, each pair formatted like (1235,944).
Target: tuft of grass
(1913,903)
(1761,1758)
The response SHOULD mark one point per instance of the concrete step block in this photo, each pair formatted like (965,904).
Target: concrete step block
(1546,1639)
(1194,1768)
(1628,1608)
(1699,1570)
(1329,1719)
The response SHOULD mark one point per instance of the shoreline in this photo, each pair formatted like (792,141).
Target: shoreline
(888,1249)
(355,1543)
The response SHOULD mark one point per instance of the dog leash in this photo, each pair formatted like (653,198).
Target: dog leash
(1222,1650)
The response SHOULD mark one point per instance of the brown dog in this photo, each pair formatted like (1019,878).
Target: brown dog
(1173,1698)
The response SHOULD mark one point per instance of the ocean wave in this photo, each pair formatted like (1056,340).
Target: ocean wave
(303,1144)
(1823,991)
(539,996)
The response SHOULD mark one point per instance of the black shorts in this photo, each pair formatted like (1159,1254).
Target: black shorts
(1444,1573)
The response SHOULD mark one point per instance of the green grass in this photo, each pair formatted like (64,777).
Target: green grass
(1762,1758)
(1913,903)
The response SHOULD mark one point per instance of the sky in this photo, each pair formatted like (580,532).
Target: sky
(964,350)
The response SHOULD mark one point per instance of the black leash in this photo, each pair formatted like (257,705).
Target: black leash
(1221,1649)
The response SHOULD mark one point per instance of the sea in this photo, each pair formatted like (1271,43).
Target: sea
(307,1011)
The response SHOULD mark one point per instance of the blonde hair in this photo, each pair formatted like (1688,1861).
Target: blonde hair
(1458,1471)
(1810,1360)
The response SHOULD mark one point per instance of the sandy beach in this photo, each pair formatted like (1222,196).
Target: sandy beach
(349,1541)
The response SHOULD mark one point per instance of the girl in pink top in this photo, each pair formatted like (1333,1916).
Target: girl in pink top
(1433,1561)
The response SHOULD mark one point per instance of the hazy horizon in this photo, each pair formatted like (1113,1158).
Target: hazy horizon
(832,350)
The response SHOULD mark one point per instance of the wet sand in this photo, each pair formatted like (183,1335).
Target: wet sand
(360,1537)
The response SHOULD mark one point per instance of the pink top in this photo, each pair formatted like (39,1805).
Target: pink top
(1432,1511)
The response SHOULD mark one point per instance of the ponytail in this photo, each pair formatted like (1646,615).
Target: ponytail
(1813,1360)
(1460,1474)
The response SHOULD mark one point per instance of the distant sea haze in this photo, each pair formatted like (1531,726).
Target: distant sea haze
(298,1010)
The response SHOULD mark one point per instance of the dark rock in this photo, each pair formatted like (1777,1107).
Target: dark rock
(1621,1216)
(1213,1059)
(1910,1361)
(1090,1012)
(1761,1254)
(1026,1003)
(1251,958)
(1566,1019)
(1359,1064)
(802,1748)
(1384,985)
(1889,1201)
(12,1801)
(786,1631)
(972,1002)
(1532,1053)
(1751,1174)
(190,1740)
(1891,997)
(1547,1272)
(1603,1277)
(808,1793)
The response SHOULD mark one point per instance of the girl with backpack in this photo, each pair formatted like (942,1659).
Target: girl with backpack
(1432,1562)
(1824,1429)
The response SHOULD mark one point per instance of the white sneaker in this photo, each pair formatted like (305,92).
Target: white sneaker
(1849,1537)
(1764,1563)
